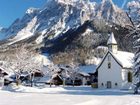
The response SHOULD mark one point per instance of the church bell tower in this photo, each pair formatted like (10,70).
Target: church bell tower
(112,44)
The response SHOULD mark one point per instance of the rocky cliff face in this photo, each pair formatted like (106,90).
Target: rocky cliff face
(69,25)
(59,16)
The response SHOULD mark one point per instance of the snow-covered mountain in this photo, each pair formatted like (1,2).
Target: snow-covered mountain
(60,16)
(2,32)
(109,11)
(134,10)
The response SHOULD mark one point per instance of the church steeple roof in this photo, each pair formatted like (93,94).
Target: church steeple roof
(111,39)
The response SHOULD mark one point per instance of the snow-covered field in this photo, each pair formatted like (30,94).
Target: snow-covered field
(68,96)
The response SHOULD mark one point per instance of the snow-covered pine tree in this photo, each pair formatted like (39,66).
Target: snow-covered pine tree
(134,11)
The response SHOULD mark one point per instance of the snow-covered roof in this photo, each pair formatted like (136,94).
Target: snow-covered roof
(124,58)
(84,74)
(88,68)
(7,70)
(111,39)
(25,74)
(8,78)
(102,47)
(45,79)
(63,67)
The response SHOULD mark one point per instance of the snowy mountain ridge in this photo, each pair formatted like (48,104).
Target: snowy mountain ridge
(1,28)
(32,10)
(59,16)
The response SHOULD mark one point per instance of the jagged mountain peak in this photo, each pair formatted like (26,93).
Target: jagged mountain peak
(109,11)
(109,1)
(52,2)
(32,10)
(110,4)
(1,28)
(76,3)
(59,16)
(67,1)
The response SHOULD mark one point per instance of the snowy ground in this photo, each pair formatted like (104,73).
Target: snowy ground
(68,96)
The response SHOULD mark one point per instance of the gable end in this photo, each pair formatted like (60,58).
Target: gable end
(105,58)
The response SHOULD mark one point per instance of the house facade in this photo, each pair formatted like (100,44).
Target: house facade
(115,69)
(3,78)
(88,74)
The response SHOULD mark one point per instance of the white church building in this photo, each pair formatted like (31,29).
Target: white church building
(115,69)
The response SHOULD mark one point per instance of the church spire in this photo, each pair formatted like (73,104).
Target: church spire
(112,44)
(111,39)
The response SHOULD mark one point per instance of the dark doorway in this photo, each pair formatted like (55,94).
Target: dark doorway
(109,84)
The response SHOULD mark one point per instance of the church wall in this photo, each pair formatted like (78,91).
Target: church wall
(112,74)
(126,84)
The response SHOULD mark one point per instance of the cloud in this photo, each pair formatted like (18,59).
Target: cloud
(125,1)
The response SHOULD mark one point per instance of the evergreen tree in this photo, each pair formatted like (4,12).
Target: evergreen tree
(134,11)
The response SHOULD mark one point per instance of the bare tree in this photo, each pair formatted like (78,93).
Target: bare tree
(51,71)
(23,60)
(72,72)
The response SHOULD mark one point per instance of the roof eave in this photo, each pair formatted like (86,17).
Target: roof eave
(104,59)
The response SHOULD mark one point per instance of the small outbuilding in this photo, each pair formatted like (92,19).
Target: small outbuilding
(3,78)
(88,74)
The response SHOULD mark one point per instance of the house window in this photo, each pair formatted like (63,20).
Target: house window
(102,84)
(129,77)
(109,65)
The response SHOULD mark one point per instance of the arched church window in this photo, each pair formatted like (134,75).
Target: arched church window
(129,77)
(102,84)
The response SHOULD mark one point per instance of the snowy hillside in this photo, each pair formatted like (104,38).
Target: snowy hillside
(59,16)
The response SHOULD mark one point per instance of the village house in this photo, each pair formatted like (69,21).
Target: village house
(115,69)
(88,74)
(4,79)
